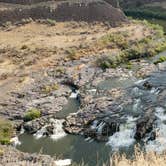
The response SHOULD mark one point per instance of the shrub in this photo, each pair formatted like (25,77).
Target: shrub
(32,114)
(51,22)
(108,61)
(71,54)
(24,47)
(160,60)
(6,131)
(49,88)
(115,40)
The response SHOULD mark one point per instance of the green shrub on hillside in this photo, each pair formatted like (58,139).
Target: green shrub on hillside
(6,131)
(51,22)
(160,60)
(32,114)
(49,88)
(108,61)
(146,47)
(115,40)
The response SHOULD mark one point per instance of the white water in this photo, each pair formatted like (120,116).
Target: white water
(74,95)
(137,105)
(121,139)
(58,131)
(15,141)
(140,81)
(40,133)
(125,137)
(63,162)
(159,144)
(160,113)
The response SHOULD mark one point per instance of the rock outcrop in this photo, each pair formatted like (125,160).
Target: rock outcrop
(78,10)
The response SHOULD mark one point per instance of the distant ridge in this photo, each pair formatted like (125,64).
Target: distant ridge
(77,10)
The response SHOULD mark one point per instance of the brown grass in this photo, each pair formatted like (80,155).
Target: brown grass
(141,159)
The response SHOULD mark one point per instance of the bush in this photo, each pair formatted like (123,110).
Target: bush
(51,22)
(32,114)
(115,40)
(49,88)
(108,61)
(6,131)
(71,54)
(160,60)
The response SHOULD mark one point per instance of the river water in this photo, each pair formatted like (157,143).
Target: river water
(93,153)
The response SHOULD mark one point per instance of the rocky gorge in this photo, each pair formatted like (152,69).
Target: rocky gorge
(101,82)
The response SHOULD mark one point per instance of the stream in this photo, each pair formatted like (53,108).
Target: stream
(91,152)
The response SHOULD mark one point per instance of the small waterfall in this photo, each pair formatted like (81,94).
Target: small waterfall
(125,137)
(57,131)
(74,95)
(40,133)
(100,127)
(94,125)
(22,130)
(15,141)
(159,144)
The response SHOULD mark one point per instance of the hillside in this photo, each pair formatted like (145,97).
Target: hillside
(77,10)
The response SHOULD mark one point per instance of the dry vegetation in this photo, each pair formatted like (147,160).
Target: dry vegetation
(141,159)
(35,46)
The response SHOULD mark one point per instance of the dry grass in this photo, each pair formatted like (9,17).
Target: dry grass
(141,159)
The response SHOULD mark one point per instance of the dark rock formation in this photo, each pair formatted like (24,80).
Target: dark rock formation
(78,10)
(145,125)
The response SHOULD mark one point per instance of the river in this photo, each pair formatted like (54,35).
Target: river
(91,152)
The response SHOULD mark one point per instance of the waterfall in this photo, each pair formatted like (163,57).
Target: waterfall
(58,131)
(125,137)
(15,141)
(159,144)
(74,95)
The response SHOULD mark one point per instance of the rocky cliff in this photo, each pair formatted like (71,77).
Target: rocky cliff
(77,10)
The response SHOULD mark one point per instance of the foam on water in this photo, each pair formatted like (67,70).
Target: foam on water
(140,81)
(58,131)
(159,144)
(15,141)
(121,139)
(160,113)
(136,105)
(74,95)
(125,137)
(63,162)
(155,91)
(40,133)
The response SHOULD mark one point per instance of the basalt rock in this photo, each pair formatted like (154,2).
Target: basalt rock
(102,129)
(145,125)
(69,10)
